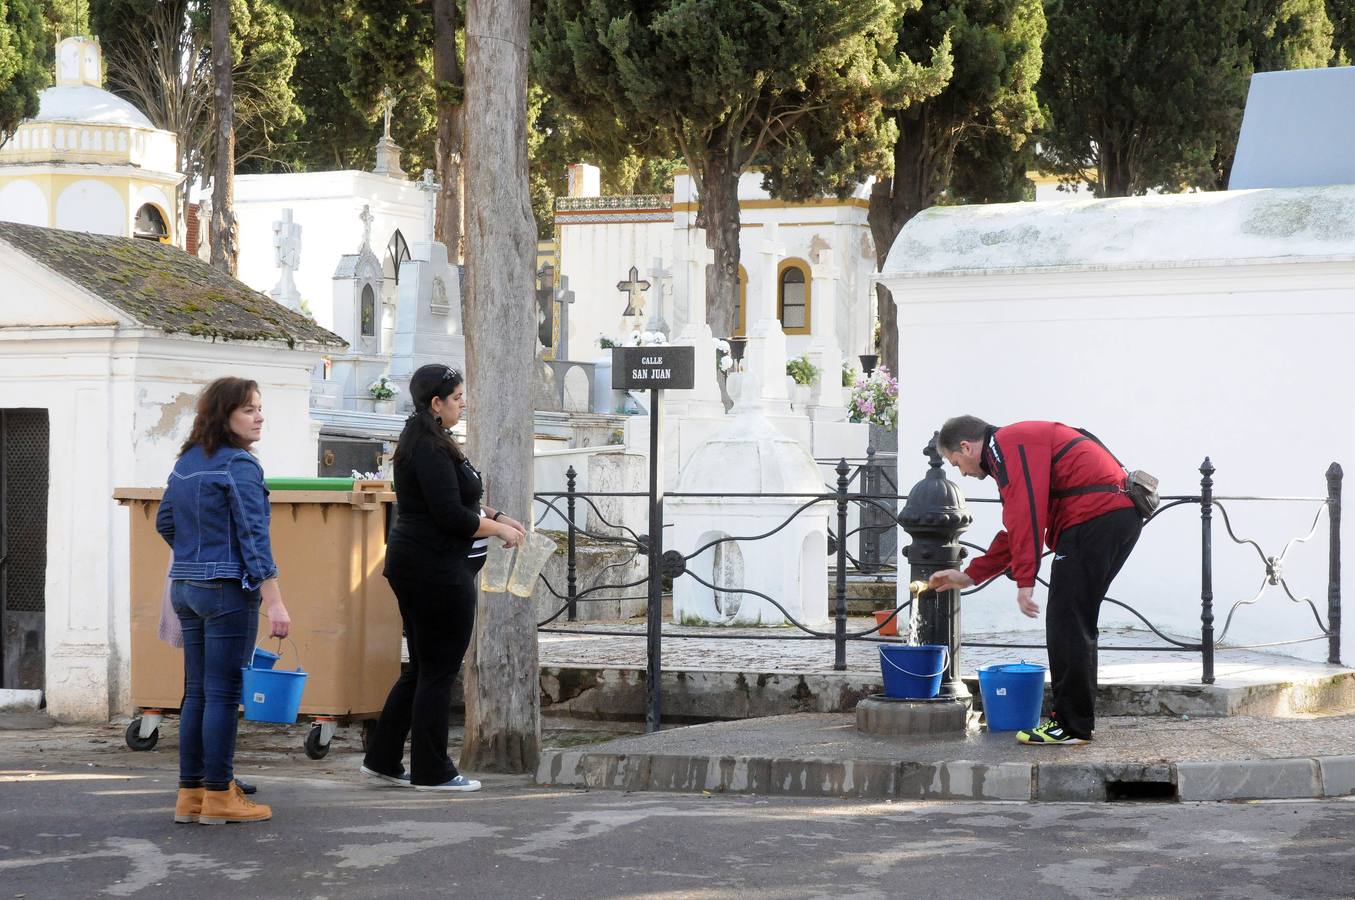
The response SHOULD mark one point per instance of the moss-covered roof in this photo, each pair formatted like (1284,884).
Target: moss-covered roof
(161,286)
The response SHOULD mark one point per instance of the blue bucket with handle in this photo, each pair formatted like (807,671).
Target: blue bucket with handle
(1013,694)
(269,694)
(913,671)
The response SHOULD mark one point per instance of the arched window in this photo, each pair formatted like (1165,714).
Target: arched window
(367,312)
(397,251)
(792,297)
(150,224)
(741,309)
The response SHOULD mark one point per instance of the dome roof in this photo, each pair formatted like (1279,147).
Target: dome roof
(750,455)
(89,105)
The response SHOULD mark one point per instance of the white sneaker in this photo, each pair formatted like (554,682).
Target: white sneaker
(459,783)
(401,780)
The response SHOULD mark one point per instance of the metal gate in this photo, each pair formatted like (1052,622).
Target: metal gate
(23,546)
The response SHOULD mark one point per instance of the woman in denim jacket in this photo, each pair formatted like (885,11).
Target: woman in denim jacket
(214,515)
(433,554)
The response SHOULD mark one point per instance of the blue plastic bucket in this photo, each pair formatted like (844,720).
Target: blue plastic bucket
(263,659)
(913,672)
(273,695)
(1012,695)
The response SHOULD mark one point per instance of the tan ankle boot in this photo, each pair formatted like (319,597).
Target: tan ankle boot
(189,805)
(231,805)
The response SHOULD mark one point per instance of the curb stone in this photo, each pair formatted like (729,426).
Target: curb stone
(874,779)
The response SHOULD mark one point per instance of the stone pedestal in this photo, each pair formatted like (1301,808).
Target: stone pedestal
(878,714)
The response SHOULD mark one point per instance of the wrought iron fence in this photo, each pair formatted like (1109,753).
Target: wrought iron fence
(675,563)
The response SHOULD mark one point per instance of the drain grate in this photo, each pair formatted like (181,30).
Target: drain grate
(1141,791)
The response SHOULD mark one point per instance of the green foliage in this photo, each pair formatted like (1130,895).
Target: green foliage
(1341,13)
(971,139)
(802,370)
(1289,34)
(23,62)
(848,374)
(66,18)
(158,56)
(790,83)
(1142,93)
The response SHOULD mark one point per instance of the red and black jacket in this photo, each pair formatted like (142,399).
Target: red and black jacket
(1034,464)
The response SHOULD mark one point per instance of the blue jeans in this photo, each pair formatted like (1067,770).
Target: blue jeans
(219,620)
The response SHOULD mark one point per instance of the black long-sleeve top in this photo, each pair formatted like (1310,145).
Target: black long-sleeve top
(438,513)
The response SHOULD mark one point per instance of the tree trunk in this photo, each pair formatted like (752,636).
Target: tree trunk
(719,215)
(225,250)
(448,217)
(893,202)
(503,724)
(1113,173)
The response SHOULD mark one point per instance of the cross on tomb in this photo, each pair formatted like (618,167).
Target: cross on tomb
(430,188)
(564,296)
(367,219)
(388,105)
(634,288)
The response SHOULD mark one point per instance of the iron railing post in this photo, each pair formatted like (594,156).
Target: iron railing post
(1207,571)
(1334,476)
(868,545)
(571,557)
(840,588)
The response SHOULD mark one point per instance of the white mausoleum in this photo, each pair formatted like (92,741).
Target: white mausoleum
(89,160)
(1174,328)
(105,343)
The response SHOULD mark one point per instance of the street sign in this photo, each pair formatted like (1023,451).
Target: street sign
(653,368)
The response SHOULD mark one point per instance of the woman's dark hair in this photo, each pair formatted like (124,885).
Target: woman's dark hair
(212,426)
(434,380)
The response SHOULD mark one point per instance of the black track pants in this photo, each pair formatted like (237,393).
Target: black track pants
(1087,559)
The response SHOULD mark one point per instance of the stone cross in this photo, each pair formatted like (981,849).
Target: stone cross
(663,285)
(367,219)
(388,105)
(430,200)
(563,296)
(287,255)
(634,288)
(763,304)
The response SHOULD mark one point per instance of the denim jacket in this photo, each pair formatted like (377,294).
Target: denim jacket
(214,515)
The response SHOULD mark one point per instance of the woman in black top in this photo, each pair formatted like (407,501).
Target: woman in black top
(432,559)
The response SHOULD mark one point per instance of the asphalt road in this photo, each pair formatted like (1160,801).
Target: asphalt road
(75,829)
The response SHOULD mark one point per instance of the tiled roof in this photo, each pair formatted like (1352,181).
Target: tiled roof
(161,286)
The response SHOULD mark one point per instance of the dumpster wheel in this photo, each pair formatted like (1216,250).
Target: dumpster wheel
(315,749)
(136,741)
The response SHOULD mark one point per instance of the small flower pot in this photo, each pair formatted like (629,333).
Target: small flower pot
(887,629)
(384,407)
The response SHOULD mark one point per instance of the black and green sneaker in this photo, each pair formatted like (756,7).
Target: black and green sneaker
(1050,732)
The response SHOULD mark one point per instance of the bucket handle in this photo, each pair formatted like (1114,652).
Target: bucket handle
(945,663)
(280,640)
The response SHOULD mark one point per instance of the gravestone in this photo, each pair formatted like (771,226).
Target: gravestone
(287,255)
(428,327)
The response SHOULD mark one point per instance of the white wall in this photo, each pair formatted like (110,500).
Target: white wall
(1246,364)
(327,206)
(119,404)
(595,257)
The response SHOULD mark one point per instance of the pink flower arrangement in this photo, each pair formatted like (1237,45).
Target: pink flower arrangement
(875,399)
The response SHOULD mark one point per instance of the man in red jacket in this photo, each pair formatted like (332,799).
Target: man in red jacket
(1062,489)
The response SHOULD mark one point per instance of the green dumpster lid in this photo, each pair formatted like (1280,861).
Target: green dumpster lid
(292,483)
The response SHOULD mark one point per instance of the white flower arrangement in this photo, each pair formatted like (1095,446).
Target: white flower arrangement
(643,339)
(383,389)
(724,361)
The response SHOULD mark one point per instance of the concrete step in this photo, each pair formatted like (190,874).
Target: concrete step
(824,756)
(689,696)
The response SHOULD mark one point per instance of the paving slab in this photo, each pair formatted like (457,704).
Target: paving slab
(815,754)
